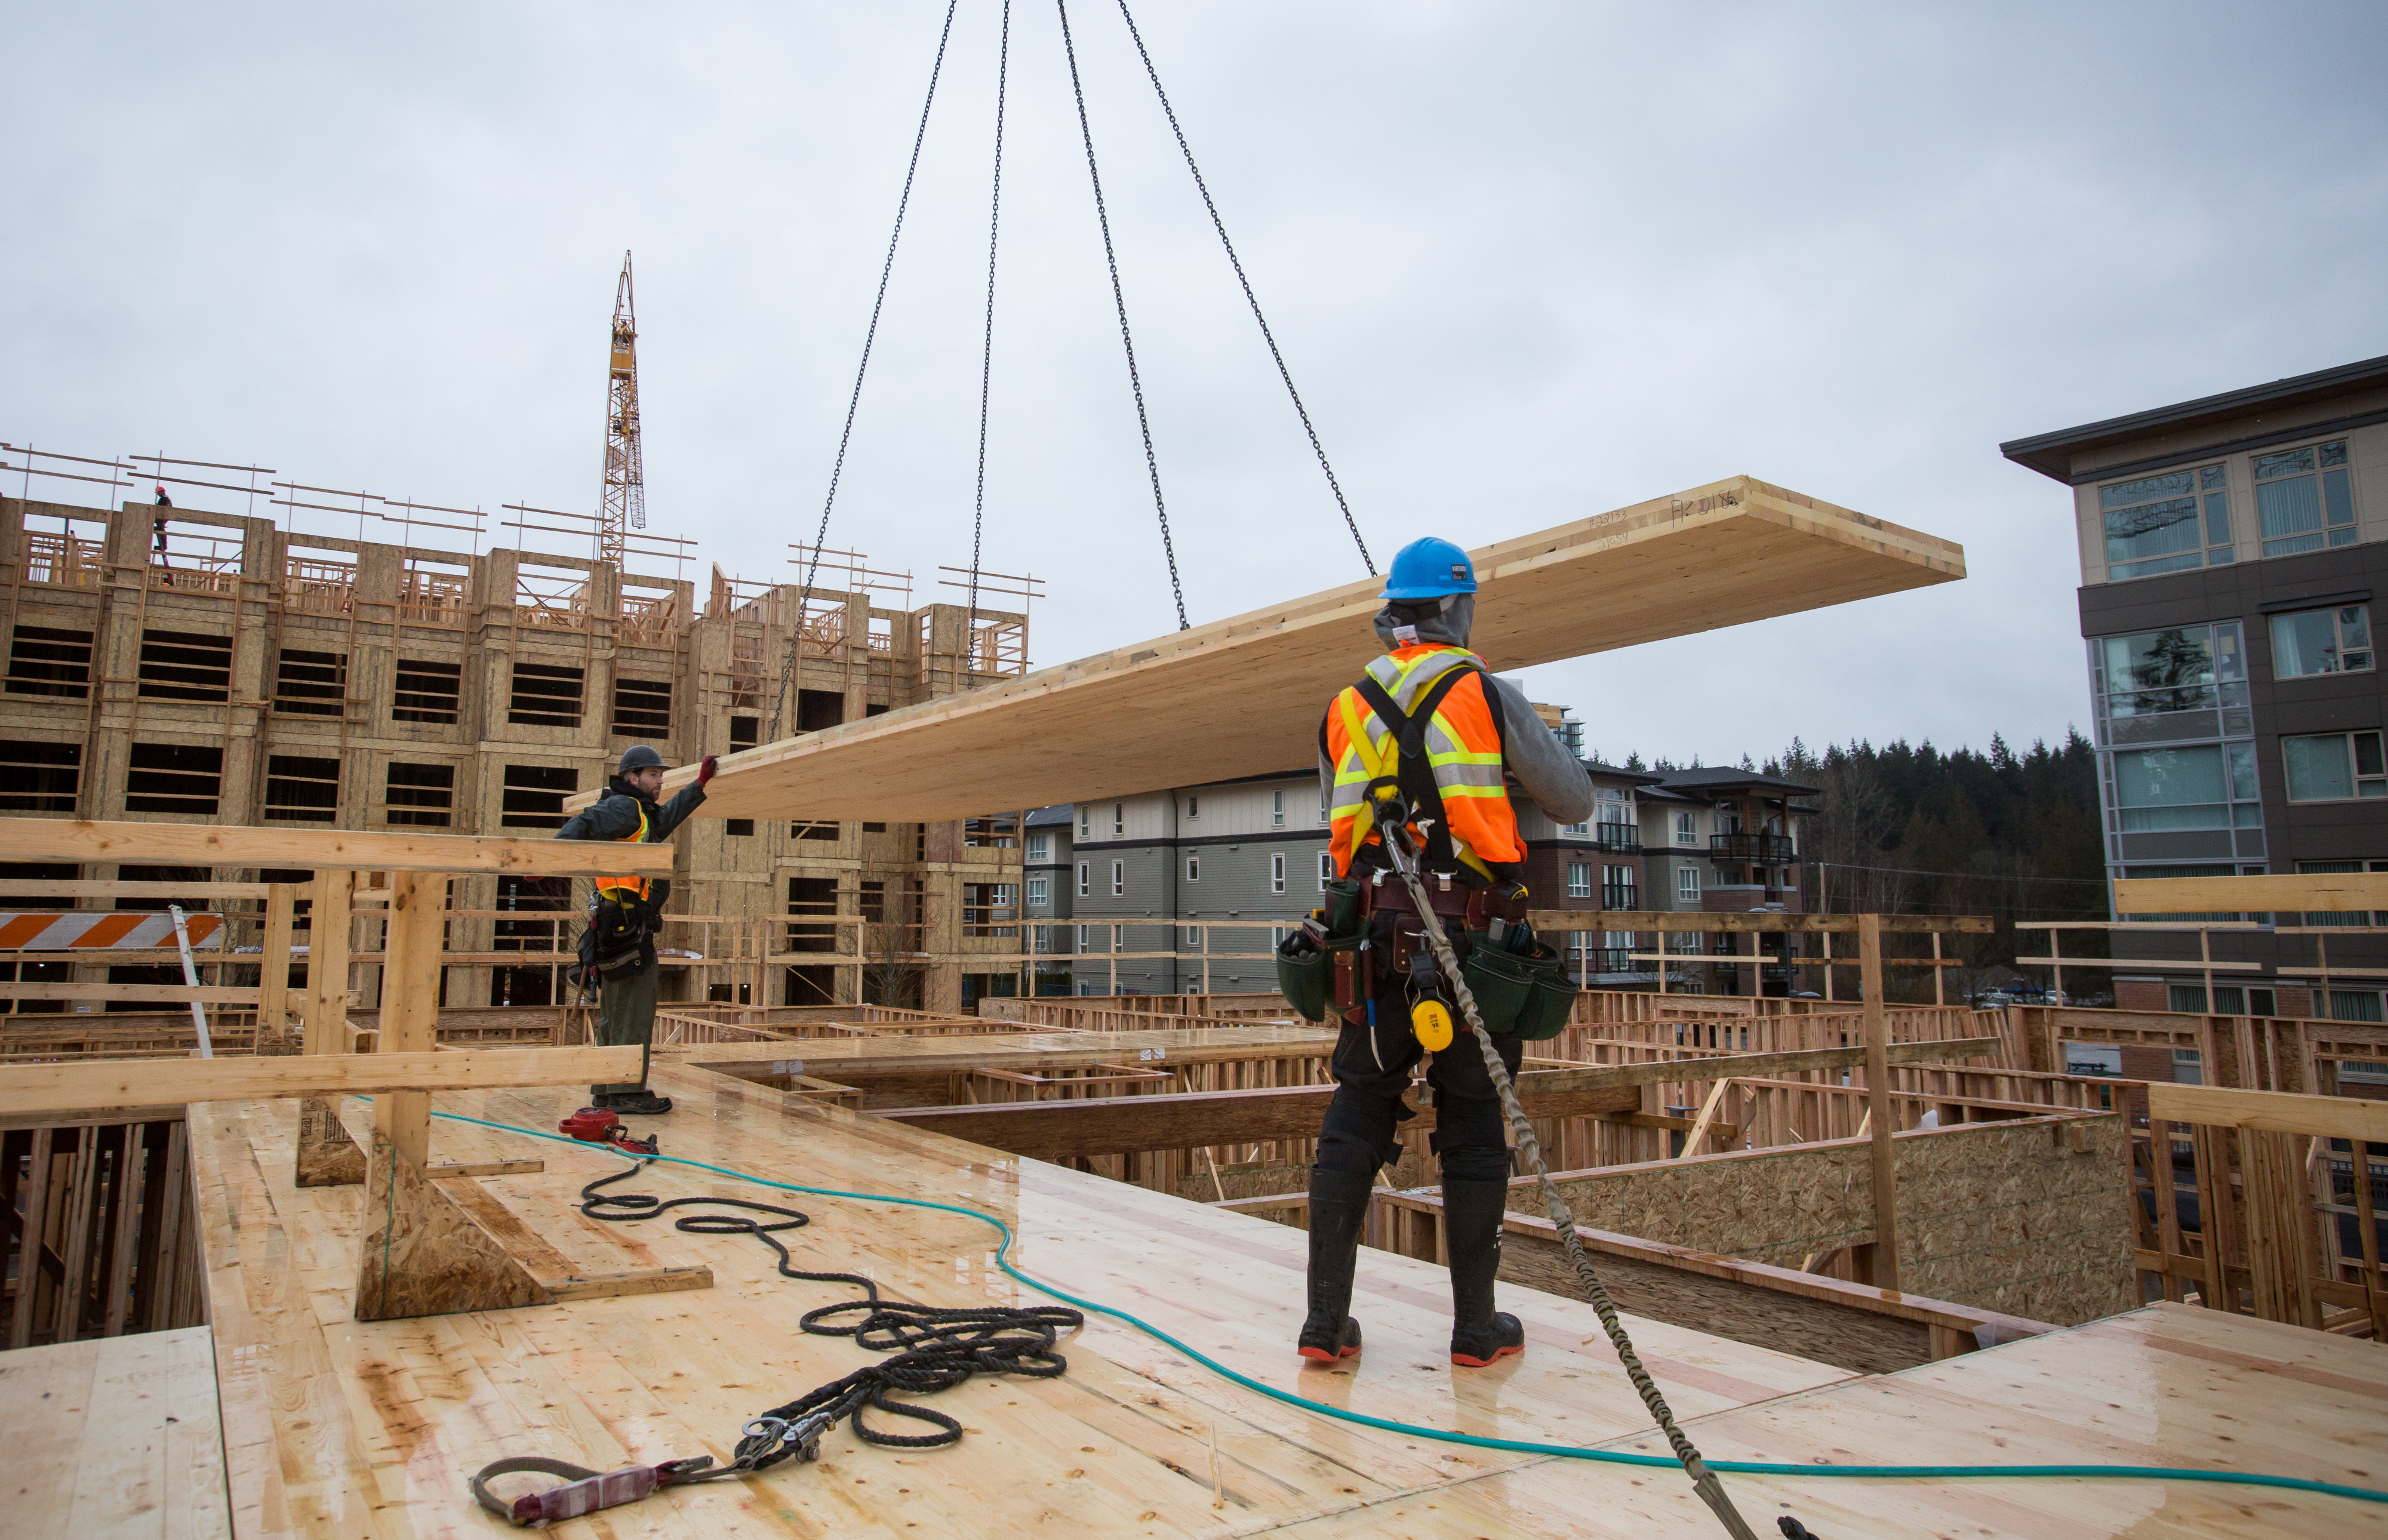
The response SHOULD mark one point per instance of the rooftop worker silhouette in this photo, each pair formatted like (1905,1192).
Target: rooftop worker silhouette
(619,948)
(1473,729)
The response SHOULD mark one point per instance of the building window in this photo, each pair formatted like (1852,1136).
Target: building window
(40,778)
(2304,499)
(1082,937)
(185,666)
(174,778)
(2334,766)
(2159,673)
(1580,880)
(1040,847)
(1119,819)
(738,829)
(1687,884)
(2163,790)
(871,899)
(1082,879)
(642,708)
(44,661)
(544,697)
(1322,805)
(1119,880)
(1193,806)
(1276,872)
(1193,868)
(1037,892)
(302,790)
(1620,888)
(533,796)
(419,795)
(1193,938)
(1085,816)
(2153,525)
(1277,810)
(2356,1005)
(1326,869)
(1576,831)
(311,684)
(2321,641)
(1687,828)
(426,691)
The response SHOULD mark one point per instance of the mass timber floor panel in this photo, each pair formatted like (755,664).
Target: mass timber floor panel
(338,1427)
(117,1436)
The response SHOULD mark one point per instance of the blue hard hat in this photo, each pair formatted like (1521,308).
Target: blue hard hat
(1431,568)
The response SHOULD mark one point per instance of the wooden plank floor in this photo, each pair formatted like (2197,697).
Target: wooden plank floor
(335,1427)
(115,1437)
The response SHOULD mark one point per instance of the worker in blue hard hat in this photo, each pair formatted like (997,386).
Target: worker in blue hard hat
(617,951)
(1428,718)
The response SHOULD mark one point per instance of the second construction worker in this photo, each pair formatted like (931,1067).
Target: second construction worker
(1475,731)
(619,948)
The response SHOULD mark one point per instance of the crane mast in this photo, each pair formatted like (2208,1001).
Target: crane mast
(625,498)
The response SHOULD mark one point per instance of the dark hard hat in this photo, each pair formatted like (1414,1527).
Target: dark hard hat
(640,757)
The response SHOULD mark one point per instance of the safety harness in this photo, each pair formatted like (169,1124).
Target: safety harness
(1406,765)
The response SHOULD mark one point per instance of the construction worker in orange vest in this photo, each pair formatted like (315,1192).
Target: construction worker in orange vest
(619,948)
(1474,731)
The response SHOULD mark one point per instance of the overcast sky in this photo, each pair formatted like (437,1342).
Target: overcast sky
(1528,263)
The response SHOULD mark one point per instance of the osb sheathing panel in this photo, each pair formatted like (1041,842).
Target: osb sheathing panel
(2004,1216)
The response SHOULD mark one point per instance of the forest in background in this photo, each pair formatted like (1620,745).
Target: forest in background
(1908,829)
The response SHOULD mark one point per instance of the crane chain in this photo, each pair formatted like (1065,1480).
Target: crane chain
(1119,299)
(986,355)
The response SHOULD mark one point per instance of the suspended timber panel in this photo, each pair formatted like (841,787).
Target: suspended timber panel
(1244,696)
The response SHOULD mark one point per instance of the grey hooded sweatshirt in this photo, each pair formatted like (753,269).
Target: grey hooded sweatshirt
(1555,779)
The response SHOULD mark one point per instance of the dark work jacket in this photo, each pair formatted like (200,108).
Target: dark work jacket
(615,816)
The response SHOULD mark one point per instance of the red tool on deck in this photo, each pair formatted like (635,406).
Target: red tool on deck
(600,1126)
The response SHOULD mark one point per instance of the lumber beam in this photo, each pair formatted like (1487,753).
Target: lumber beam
(71,1086)
(1743,1066)
(1243,695)
(84,840)
(1113,1125)
(182,994)
(1695,921)
(2274,1111)
(2336,893)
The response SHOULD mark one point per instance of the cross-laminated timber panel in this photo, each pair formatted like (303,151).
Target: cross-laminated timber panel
(1244,695)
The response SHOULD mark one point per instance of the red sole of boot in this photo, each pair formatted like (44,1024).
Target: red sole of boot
(1320,1354)
(1498,1354)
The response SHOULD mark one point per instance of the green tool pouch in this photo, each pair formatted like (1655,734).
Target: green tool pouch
(1526,993)
(1306,970)
(1341,914)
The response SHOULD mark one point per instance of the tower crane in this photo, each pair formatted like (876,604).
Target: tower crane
(625,498)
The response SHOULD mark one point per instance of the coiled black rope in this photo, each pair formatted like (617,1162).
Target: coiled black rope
(935,1349)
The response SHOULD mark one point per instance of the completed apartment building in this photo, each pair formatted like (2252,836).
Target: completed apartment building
(2230,550)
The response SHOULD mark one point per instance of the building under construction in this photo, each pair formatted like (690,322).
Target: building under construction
(169,663)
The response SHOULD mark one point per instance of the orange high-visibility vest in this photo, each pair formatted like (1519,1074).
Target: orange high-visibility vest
(624,888)
(1462,739)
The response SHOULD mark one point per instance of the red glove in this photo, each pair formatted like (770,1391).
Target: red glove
(704,771)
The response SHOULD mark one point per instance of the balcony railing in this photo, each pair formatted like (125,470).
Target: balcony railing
(1619,839)
(1777,847)
(1619,895)
(1608,959)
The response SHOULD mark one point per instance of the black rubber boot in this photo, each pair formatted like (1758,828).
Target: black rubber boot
(641,1102)
(1471,1220)
(1338,1208)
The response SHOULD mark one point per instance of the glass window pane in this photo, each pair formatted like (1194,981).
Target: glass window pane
(2285,507)
(2229,661)
(2171,788)
(2210,478)
(2160,671)
(2336,500)
(2217,519)
(2220,555)
(2287,463)
(2355,628)
(2304,643)
(2242,772)
(2128,494)
(2335,454)
(2317,768)
(2367,755)
(2155,529)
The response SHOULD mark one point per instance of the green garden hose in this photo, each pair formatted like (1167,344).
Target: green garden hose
(1563,1451)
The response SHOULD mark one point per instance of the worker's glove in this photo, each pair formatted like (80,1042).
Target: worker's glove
(704,771)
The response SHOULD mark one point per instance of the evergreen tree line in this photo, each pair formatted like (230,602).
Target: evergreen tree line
(1908,829)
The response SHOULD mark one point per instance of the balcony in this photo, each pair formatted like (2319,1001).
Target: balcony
(1776,848)
(1608,959)
(1619,895)
(1617,839)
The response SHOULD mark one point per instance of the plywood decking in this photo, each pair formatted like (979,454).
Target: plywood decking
(1243,695)
(337,1427)
(116,1438)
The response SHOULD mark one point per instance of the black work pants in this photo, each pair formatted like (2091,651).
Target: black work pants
(1372,1067)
